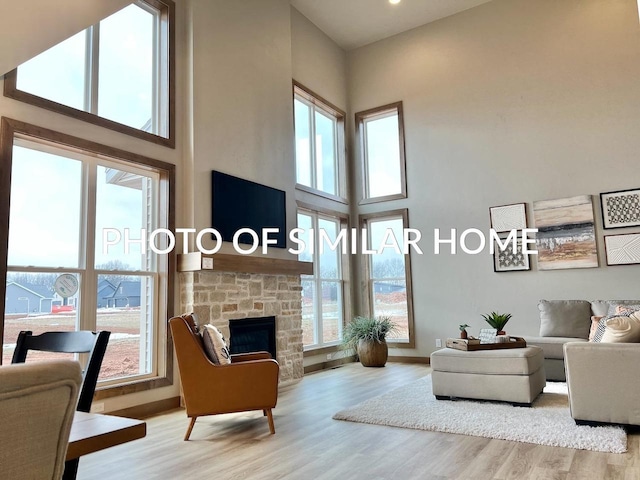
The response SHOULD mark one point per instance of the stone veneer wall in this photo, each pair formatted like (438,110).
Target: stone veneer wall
(217,297)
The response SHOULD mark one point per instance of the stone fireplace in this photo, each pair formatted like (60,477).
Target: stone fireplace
(219,296)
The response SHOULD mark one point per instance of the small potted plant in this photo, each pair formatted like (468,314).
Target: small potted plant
(463,330)
(367,335)
(497,321)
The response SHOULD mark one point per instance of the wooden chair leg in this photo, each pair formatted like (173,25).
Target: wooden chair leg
(272,427)
(264,413)
(188,434)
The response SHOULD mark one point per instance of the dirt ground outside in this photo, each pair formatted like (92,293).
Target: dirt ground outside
(123,352)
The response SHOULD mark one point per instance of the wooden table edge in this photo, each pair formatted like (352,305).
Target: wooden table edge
(124,430)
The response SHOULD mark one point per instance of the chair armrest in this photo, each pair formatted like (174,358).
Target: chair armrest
(237,387)
(245,357)
(603,381)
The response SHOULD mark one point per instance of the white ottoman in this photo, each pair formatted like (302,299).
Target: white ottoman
(513,375)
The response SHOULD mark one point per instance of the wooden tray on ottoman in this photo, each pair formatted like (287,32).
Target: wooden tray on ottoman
(472,345)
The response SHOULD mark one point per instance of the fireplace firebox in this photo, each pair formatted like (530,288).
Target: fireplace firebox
(253,335)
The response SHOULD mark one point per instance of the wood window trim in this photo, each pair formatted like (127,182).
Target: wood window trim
(360,117)
(8,129)
(323,104)
(167,14)
(365,268)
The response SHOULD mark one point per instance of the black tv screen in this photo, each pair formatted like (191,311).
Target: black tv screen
(239,203)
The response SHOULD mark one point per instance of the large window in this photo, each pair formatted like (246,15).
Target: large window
(381,135)
(388,274)
(323,292)
(319,136)
(69,199)
(116,73)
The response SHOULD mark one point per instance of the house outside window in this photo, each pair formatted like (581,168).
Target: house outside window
(115,73)
(60,274)
(388,274)
(319,145)
(380,132)
(323,293)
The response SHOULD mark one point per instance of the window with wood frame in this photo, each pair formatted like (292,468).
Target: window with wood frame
(388,273)
(319,145)
(380,132)
(67,199)
(117,73)
(323,294)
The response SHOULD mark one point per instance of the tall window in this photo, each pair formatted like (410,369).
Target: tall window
(61,272)
(381,135)
(388,273)
(319,136)
(115,73)
(322,292)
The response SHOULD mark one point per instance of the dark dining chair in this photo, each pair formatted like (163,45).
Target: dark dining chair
(92,343)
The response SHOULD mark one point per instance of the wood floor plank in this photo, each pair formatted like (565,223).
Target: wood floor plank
(309,444)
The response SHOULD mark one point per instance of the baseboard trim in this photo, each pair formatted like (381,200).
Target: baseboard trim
(148,409)
(401,359)
(331,364)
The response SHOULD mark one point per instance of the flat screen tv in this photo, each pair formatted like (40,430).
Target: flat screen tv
(239,203)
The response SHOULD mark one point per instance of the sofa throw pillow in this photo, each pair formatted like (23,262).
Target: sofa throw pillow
(215,346)
(622,329)
(626,309)
(614,304)
(565,318)
(595,319)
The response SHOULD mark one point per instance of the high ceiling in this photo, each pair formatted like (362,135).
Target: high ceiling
(354,23)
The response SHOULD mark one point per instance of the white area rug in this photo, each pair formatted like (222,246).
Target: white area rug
(548,422)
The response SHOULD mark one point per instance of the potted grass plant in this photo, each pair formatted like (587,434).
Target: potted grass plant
(497,320)
(367,335)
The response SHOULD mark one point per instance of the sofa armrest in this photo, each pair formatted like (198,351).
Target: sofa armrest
(603,381)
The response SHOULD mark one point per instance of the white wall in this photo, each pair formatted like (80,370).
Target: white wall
(243,112)
(512,101)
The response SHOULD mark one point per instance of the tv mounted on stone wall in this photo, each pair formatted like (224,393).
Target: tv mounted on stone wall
(238,203)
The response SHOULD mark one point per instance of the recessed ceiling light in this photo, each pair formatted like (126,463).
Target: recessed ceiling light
(395,2)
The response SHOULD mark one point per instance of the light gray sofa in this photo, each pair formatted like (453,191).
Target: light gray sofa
(563,321)
(603,382)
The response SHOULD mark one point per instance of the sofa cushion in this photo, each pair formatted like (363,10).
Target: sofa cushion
(565,318)
(622,329)
(551,346)
(214,345)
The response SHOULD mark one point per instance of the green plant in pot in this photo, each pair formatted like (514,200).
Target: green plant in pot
(367,335)
(497,320)
(463,330)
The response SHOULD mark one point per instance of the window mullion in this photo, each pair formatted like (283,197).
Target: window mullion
(318,282)
(312,146)
(88,300)
(93,69)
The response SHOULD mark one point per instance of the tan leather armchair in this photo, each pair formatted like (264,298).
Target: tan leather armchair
(250,382)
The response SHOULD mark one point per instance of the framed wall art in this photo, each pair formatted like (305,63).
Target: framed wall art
(620,209)
(622,249)
(508,260)
(566,235)
(508,217)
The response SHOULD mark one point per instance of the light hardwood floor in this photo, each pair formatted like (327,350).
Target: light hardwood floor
(308,444)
